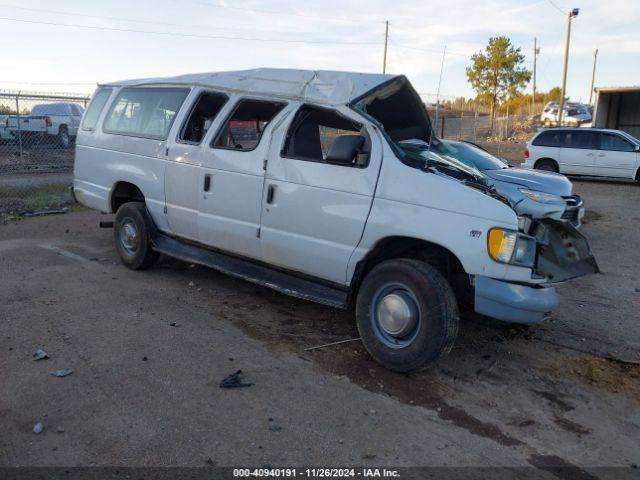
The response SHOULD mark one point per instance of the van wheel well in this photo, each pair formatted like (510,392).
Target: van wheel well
(124,192)
(407,247)
(547,161)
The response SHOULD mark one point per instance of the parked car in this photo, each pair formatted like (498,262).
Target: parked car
(536,194)
(574,115)
(320,201)
(585,151)
(5,133)
(57,121)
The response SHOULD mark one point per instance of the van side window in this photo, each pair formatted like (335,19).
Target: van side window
(580,139)
(144,112)
(243,129)
(615,143)
(313,132)
(98,102)
(548,138)
(202,115)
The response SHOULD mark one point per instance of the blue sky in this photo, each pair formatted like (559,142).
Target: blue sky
(48,57)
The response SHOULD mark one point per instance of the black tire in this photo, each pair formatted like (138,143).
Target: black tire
(131,232)
(64,139)
(547,165)
(414,282)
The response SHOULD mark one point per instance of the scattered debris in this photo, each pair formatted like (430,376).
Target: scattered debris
(63,372)
(275,428)
(234,381)
(526,423)
(38,428)
(144,359)
(40,354)
(192,284)
(369,456)
(59,429)
(174,324)
(210,462)
(332,343)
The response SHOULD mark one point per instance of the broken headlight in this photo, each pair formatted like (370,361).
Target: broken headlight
(541,197)
(509,246)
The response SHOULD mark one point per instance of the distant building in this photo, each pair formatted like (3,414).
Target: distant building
(618,108)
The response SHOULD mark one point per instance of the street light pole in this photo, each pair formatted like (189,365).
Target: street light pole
(593,75)
(570,15)
(386,40)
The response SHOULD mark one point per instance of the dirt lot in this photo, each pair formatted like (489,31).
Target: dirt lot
(148,349)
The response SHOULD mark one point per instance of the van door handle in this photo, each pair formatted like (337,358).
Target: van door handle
(207,182)
(270,193)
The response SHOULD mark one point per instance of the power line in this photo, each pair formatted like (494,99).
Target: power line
(192,35)
(420,49)
(554,5)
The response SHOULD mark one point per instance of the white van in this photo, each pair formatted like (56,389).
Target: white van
(594,152)
(297,180)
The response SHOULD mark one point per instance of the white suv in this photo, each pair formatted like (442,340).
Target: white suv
(298,180)
(585,151)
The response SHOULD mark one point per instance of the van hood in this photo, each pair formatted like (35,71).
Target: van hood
(548,182)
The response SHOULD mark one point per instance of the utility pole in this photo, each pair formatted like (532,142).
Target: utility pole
(593,75)
(536,51)
(386,40)
(570,15)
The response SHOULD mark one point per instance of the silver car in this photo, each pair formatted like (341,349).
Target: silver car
(533,193)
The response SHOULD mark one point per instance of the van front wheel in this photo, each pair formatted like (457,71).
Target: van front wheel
(407,314)
(132,236)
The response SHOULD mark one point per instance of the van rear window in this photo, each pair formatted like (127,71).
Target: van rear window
(98,102)
(144,112)
(549,138)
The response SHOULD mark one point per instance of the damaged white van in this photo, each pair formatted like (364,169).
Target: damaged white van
(297,180)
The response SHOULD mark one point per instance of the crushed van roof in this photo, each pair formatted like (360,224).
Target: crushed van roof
(317,86)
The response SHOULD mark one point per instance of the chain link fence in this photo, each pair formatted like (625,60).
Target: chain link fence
(37,139)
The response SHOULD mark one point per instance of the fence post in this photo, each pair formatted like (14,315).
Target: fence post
(18,122)
(442,127)
(506,128)
(460,125)
(475,126)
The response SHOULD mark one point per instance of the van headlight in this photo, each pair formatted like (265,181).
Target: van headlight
(509,246)
(541,197)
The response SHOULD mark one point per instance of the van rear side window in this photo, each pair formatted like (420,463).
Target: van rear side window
(243,130)
(144,112)
(98,102)
(204,112)
(548,138)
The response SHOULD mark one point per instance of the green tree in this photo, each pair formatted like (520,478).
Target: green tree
(497,73)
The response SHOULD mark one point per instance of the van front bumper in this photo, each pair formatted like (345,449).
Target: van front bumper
(512,302)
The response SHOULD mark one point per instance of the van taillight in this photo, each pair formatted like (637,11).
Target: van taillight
(48,122)
(526,153)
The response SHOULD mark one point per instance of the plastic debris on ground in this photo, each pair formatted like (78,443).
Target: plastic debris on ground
(234,381)
(40,354)
(63,372)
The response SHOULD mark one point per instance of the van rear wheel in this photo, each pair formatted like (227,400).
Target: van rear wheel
(407,314)
(131,233)
(547,165)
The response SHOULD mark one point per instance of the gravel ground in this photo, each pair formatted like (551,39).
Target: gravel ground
(148,349)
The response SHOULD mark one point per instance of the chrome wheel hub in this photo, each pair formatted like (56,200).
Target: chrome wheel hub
(397,314)
(129,236)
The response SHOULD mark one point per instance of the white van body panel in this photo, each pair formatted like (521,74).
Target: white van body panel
(440,210)
(319,210)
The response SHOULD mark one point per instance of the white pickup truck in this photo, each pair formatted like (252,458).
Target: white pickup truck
(57,121)
(298,180)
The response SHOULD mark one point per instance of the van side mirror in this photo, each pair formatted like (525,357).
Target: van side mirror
(637,149)
(345,150)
